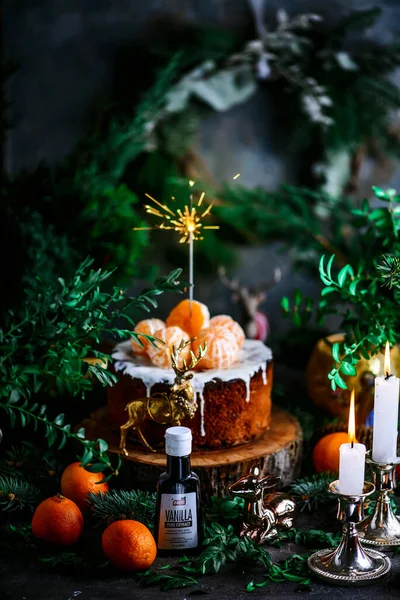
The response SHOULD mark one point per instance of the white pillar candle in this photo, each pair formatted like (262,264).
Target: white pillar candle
(386,414)
(351,460)
(351,469)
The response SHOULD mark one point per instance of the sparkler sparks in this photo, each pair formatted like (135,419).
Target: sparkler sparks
(187,223)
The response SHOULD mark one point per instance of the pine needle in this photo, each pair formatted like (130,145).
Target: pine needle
(120,504)
(16,494)
(311,492)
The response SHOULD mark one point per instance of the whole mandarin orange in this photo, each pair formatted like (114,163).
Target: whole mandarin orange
(57,520)
(191,319)
(129,545)
(326,451)
(76,483)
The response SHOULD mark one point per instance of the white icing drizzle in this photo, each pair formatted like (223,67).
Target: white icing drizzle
(201,406)
(252,358)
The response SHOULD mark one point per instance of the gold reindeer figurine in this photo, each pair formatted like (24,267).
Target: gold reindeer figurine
(167,408)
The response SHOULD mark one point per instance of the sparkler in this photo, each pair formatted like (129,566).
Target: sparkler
(188,223)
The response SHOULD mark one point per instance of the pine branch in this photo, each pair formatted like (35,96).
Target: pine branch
(287,214)
(121,504)
(17,495)
(312,492)
(390,271)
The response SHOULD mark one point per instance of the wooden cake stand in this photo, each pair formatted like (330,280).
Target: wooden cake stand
(278,451)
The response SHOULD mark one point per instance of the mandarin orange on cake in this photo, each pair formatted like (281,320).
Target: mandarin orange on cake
(57,520)
(226,322)
(172,336)
(191,321)
(76,483)
(222,348)
(129,545)
(147,327)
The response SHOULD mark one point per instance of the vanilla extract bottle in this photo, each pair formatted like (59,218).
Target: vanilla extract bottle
(178,526)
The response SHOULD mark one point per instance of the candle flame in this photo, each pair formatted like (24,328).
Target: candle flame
(386,366)
(352,419)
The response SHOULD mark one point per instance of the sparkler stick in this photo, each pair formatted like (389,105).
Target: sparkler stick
(191,277)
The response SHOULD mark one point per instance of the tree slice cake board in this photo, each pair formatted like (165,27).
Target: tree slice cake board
(278,451)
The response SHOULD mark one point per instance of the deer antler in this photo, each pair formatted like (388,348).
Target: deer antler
(270,283)
(234,284)
(231,284)
(193,358)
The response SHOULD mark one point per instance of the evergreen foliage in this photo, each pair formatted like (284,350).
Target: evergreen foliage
(120,504)
(84,207)
(44,349)
(17,495)
(312,492)
(365,295)
(289,215)
(329,89)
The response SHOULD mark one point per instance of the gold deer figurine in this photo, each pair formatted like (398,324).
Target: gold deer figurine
(166,408)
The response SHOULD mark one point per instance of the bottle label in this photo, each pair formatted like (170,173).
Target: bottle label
(178,522)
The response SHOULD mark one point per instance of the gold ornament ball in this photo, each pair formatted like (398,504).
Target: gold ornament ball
(337,402)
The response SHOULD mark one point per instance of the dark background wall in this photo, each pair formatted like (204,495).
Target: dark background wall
(66,51)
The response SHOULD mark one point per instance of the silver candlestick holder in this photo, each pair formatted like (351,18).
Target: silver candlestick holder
(382,527)
(350,563)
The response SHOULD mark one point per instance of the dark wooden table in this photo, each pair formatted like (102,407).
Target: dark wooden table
(32,581)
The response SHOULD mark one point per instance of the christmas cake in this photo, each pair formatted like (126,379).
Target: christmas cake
(232,382)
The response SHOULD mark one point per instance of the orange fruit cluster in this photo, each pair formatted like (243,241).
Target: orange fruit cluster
(59,519)
(191,322)
(127,544)
(224,337)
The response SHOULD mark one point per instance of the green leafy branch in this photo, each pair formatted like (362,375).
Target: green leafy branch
(225,510)
(46,350)
(366,298)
